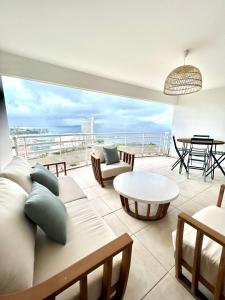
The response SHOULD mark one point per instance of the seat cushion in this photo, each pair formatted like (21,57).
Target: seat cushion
(46,178)
(69,190)
(115,169)
(111,155)
(86,232)
(46,210)
(18,170)
(214,217)
(97,150)
(17,239)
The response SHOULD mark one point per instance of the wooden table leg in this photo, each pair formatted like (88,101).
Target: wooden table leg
(161,211)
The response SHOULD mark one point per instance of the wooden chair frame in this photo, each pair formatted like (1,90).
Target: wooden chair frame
(56,165)
(78,272)
(202,230)
(96,165)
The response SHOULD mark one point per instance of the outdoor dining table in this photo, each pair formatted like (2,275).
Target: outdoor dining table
(217,161)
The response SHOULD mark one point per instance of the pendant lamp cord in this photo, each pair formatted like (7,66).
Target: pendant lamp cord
(186,52)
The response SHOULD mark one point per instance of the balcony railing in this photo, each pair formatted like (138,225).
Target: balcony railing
(75,148)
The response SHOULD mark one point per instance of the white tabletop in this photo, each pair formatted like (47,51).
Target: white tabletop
(145,187)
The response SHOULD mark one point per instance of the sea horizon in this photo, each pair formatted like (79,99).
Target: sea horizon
(97,129)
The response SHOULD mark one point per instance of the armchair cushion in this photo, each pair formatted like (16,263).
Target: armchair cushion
(17,236)
(18,170)
(98,151)
(213,217)
(46,178)
(111,155)
(115,169)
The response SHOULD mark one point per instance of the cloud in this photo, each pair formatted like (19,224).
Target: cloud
(163,118)
(34,104)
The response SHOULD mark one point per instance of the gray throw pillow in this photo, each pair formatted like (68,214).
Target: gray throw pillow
(46,178)
(111,155)
(46,210)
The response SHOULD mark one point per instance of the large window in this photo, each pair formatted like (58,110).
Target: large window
(51,110)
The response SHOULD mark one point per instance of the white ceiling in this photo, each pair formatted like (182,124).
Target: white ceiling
(135,41)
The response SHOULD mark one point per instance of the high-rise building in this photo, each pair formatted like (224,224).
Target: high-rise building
(88,125)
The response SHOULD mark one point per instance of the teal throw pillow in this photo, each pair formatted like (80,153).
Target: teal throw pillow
(111,155)
(46,178)
(46,210)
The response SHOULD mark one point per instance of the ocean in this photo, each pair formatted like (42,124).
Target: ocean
(100,128)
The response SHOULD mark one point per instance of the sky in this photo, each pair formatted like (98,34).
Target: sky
(40,105)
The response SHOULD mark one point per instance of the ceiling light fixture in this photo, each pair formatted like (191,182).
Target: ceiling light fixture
(183,80)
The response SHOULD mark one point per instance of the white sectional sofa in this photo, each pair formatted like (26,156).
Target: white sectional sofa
(93,262)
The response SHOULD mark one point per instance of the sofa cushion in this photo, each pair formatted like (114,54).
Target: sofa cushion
(69,190)
(98,151)
(86,232)
(47,211)
(111,155)
(17,236)
(115,169)
(18,170)
(214,217)
(46,178)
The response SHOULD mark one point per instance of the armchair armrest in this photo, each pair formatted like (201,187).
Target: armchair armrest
(202,230)
(127,157)
(57,164)
(79,271)
(220,198)
(96,166)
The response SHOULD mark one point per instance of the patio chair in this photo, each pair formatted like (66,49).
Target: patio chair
(103,172)
(199,244)
(182,153)
(200,155)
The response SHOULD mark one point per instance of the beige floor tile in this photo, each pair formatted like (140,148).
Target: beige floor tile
(113,201)
(169,289)
(133,224)
(145,272)
(116,225)
(190,207)
(157,238)
(207,197)
(179,201)
(191,187)
(174,175)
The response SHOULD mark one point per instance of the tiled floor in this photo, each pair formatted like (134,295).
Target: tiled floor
(151,275)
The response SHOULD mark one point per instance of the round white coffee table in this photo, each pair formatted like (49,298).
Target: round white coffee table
(145,189)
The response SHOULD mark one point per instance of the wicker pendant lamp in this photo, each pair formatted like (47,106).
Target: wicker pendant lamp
(183,80)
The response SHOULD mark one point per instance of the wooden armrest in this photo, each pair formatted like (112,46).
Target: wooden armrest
(195,268)
(56,164)
(127,157)
(202,228)
(95,157)
(76,272)
(221,193)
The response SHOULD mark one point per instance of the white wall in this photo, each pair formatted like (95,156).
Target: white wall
(200,113)
(5,145)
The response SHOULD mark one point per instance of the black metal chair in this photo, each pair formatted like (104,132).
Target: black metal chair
(201,136)
(218,158)
(182,153)
(200,155)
